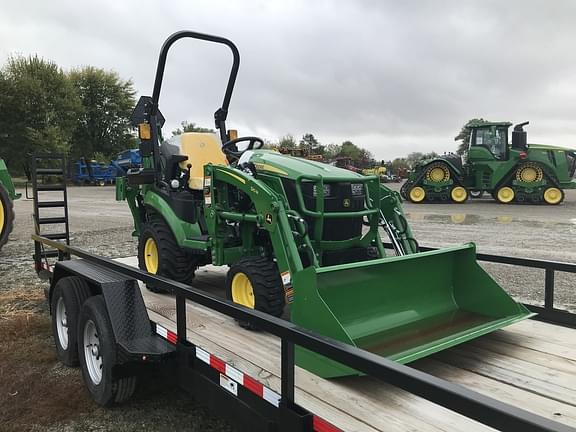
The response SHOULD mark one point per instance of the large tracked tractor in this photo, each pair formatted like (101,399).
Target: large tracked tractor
(301,233)
(517,172)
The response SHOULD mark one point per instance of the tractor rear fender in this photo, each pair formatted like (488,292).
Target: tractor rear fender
(6,181)
(271,212)
(184,232)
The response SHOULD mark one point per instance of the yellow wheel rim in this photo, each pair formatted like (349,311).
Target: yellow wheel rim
(505,194)
(417,194)
(459,194)
(552,195)
(1,216)
(529,174)
(438,174)
(151,256)
(242,291)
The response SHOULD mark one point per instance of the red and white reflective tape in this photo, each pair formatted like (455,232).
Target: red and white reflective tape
(228,372)
(321,425)
(45,266)
(170,336)
(241,378)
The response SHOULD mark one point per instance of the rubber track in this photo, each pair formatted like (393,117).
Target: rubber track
(409,184)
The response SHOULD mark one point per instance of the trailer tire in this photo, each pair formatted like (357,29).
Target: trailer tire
(69,295)
(171,261)
(97,352)
(264,290)
(7,216)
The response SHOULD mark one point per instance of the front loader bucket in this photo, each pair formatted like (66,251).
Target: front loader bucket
(403,308)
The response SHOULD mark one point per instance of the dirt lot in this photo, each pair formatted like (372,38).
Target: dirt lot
(36,393)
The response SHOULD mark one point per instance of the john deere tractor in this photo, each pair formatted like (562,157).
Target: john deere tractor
(7,195)
(304,235)
(519,172)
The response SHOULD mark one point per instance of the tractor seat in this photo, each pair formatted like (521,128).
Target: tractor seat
(200,148)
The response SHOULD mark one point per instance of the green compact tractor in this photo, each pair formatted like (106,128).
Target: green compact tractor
(7,195)
(519,172)
(301,234)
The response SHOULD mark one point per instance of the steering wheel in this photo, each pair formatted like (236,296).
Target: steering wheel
(229,148)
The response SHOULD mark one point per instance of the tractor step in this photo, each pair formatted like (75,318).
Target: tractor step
(49,204)
(52,220)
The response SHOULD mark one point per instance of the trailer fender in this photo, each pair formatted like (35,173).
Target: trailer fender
(126,309)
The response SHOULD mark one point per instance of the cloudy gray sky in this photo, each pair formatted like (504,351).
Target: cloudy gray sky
(392,76)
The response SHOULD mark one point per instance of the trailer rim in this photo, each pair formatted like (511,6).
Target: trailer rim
(92,352)
(62,323)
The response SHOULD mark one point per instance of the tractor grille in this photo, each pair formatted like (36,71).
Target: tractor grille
(339,199)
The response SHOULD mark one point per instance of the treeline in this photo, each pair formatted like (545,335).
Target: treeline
(309,145)
(84,112)
(80,112)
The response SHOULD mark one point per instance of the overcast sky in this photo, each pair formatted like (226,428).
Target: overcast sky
(392,76)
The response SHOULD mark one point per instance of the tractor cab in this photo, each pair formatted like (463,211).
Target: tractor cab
(489,141)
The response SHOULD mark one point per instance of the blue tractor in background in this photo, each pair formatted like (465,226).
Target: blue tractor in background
(92,172)
(127,159)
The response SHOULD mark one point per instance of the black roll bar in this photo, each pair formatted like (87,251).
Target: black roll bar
(221,113)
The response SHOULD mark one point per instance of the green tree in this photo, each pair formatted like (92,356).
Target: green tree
(104,123)
(351,150)
(331,151)
(310,145)
(39,109)
(287,142)
(190,127)
(464,135)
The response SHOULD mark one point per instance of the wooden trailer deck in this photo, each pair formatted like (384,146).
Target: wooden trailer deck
(530,364)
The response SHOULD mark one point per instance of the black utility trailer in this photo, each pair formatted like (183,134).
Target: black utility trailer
(120,333)
(522,378)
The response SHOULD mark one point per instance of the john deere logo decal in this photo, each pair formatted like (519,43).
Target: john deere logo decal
(346,202)
(268,218)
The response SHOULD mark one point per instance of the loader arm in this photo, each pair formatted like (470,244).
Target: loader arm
(269,212)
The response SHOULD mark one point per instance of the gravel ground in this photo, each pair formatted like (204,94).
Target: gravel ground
(53,397)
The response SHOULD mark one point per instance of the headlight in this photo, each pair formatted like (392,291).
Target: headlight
(357,188)
(327,189)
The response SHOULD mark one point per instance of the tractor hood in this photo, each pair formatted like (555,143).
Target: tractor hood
(550,147)
(271,162)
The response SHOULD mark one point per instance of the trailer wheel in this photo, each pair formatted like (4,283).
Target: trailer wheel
(255,282)
(158,253)
(6,216)
(97,351)
(69,295)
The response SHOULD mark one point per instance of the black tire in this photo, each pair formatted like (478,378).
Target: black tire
(266,284)
(174,263)
(72,292)
(476,194)
(8,209)
(108,390)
